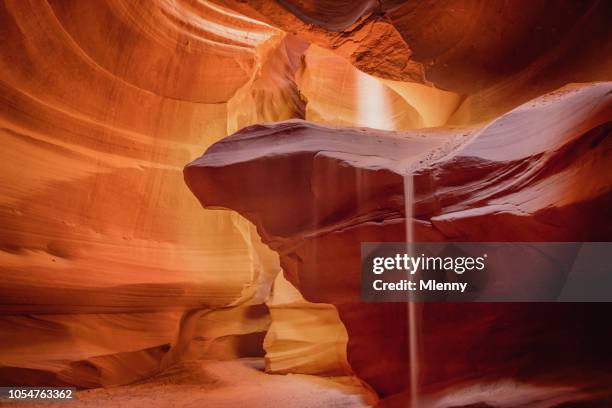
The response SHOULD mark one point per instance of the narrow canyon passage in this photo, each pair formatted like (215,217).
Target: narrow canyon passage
(185,186)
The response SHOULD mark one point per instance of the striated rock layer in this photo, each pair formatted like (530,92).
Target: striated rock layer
(539,172)
(104,252)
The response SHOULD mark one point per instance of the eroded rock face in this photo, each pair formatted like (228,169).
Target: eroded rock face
(496,54)
(103,250)
(536,173)
(368,41)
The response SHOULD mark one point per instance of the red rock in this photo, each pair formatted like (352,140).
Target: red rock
(316,192)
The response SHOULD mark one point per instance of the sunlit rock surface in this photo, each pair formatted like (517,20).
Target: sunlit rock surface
(338,93)
(304,337)
(104,250)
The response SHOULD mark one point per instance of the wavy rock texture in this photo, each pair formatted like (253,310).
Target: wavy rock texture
(99,234)
(536,173)
(112,272)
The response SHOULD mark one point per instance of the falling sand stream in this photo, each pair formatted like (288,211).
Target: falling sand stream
(412,315)
(374,110)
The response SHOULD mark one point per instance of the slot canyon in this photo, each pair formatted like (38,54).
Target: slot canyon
(185,185)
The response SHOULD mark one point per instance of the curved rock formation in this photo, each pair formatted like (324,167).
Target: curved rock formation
(99,234)
(536,173)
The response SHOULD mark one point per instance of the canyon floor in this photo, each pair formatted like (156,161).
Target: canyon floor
(242,383)
(236,383)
